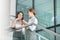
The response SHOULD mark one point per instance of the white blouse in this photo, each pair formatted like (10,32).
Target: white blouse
(33,20)
(18,25)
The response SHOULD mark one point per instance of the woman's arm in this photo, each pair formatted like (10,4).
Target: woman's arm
(24,22)
(14,23)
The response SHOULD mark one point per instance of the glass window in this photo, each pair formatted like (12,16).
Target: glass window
(45,12)
(58,11)
(23,5)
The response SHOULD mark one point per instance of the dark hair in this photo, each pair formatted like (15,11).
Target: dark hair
(19,13)
(32,10)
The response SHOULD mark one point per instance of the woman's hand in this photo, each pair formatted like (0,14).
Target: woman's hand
(24,23)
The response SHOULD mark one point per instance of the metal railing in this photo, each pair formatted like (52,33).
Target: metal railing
(44,29)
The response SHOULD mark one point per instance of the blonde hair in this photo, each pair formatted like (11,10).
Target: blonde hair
(32,10)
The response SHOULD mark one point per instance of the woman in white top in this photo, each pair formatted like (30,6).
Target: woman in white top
(30,32)
(19,34)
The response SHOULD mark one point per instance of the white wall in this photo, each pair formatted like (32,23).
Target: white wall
(4,18)
(5,13)
(13,7)
(12,10)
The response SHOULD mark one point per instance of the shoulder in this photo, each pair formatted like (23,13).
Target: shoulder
(35,20)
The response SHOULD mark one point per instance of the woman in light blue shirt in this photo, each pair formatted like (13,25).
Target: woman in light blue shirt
(30,32)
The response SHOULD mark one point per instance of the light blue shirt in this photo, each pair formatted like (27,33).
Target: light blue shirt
(32,20)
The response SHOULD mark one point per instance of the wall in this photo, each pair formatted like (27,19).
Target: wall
(4,19)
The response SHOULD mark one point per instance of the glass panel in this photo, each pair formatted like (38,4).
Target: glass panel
(45,12)
(58,31)
(58,11)
(47,35)
(23,5)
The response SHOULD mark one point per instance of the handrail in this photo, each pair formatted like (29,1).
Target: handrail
(58,25)
(47,30)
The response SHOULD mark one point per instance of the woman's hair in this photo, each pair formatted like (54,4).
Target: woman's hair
(32,10)
(19,13)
